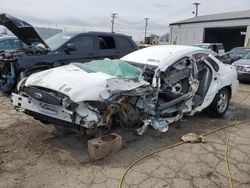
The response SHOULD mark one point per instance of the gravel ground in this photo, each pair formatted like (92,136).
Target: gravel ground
(33,155)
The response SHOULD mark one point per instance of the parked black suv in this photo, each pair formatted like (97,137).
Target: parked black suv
(58,50)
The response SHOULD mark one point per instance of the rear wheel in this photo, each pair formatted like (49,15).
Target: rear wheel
(220,103)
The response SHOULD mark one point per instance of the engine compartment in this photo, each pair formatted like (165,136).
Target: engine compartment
(9,67)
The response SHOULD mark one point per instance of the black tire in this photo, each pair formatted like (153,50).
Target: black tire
(220,103)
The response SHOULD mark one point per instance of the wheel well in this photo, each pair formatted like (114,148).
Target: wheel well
(229,88)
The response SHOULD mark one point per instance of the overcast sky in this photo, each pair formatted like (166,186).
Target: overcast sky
(96,14)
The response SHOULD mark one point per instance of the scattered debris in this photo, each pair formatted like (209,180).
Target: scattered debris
(193,138)
(6,151)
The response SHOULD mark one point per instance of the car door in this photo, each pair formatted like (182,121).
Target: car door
(106,47)
(209,81)
(84,50)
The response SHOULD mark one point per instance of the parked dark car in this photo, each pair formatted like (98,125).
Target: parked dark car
(226,58)
(233,55)
(8,42)
(58,50)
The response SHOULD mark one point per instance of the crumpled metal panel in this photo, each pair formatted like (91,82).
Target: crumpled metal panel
(158,124)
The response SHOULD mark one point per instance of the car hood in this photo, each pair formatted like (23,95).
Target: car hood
(79,85)
(242,62)
(23,30)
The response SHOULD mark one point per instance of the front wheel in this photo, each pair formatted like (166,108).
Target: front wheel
(220,103)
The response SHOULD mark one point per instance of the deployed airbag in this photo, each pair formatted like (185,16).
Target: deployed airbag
(117,68)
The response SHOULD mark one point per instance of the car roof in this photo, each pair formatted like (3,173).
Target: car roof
(97,33)
(155,55)
(108,33)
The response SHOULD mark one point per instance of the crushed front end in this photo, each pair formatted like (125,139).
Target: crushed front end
(8,67)
(154,98)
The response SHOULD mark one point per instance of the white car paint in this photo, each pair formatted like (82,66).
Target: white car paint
(79,85)
(71,81)
(226,76)
(167,55)
(162,55)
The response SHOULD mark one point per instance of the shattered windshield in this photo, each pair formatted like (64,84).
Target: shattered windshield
(118,68)
(57,40)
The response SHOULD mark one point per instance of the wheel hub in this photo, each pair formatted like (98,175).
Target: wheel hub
(222,102)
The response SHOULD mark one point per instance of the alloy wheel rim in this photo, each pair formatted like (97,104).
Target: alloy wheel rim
(222,102)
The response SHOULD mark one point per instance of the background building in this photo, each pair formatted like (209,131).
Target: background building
(232,29)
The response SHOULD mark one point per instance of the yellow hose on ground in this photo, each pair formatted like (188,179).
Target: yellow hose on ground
(180,143)
(226,158)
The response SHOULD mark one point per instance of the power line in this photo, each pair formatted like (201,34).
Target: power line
(130,32)
(177,12)
(129,22)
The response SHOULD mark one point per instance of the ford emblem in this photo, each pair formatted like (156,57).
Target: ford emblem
(38,96)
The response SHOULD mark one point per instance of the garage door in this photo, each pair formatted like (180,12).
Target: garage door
(231,37)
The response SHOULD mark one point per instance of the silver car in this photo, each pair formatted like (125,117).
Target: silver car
(243,68)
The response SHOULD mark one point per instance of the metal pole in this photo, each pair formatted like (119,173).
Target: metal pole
(196,8)
(146,27)
(113,21)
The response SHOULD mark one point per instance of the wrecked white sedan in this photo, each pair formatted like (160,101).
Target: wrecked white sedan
(154,87)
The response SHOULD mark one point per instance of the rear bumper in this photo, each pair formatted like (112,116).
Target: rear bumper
(36,108)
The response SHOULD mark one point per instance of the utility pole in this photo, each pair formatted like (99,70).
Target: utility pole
(113,16)
(146,27)
(196,9)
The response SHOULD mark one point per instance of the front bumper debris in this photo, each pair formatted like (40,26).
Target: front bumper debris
(85,117)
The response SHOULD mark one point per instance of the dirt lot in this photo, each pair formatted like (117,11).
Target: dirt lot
(32,155)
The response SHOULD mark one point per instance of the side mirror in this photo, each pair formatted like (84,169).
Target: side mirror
(70,48)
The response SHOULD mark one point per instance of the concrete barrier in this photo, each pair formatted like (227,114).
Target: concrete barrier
(103,146)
